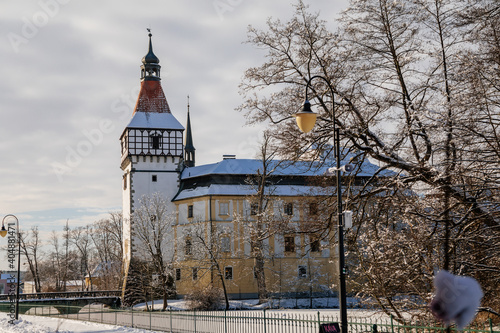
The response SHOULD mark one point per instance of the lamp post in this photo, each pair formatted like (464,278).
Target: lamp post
(306,120)
(3,233)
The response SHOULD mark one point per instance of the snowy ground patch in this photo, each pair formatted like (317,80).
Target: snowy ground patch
(36,324)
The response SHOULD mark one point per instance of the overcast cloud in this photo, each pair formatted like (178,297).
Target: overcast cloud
(70,77)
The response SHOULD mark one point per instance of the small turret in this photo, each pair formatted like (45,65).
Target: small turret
(150,68)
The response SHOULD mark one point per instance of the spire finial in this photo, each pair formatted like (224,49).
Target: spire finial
(188,103)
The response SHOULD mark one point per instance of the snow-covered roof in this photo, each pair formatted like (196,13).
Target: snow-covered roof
(247,190)
(282,168)
(151,98)
(200,181)
(7,277)
(103,268)
(155,120)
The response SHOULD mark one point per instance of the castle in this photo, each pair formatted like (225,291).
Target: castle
(231,220)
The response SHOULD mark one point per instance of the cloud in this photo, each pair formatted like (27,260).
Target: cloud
(81,66)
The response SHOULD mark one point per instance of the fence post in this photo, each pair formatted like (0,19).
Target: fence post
(319,321)
(392,325)
(225,320)
(265,325)
(150,318)
(491,325)
(194,315)
(170,312)
(132,310)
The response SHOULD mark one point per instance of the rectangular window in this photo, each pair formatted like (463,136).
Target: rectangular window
(190,211)
(254,209)
(228,273)
(125,182)
(188,247)
(289,244)
(224,208)
(315,244)
(154,178)
(195,273)
(225,244)
(289,208)
(302,272)
(313,208)
(154,141)
(177,274)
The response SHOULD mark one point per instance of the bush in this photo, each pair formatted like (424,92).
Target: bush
(209,298)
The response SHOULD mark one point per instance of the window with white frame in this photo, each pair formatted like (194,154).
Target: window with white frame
(315,244)
(225,244)
(188,247)
(289,244)
(228,273)
(302,272)
(313,208)
(289,208)
(254,209)
(223,208)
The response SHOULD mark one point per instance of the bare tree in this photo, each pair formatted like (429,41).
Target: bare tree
(106,238)
(58,262)
(416,90)
(262,222)
(210,255)
(152,223)
(30,246)
(81,239)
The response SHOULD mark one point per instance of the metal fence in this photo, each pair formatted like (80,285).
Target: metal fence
(253,321)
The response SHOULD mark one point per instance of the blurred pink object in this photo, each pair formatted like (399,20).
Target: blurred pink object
(456,299)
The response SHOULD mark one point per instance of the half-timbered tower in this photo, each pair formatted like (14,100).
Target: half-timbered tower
(151,150)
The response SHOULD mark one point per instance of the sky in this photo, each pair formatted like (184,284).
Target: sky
(70,78)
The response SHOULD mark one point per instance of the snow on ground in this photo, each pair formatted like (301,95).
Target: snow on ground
(327,306)
(37,324)
(252,304)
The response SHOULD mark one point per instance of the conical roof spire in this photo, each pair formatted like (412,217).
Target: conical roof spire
(189,156)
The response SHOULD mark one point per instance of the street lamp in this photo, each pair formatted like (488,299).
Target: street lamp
(306,120)
(3,233)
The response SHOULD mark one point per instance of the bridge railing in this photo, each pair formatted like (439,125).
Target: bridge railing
(66,294)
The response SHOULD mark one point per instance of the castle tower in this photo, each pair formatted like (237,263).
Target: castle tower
(151,151)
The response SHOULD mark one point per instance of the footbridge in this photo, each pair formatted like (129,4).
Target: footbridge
(64,302)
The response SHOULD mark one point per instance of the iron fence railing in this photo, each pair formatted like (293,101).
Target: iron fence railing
(252,321)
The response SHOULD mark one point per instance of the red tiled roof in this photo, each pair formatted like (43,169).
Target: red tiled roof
(151,98)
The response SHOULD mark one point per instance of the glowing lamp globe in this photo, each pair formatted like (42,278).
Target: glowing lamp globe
(306,118)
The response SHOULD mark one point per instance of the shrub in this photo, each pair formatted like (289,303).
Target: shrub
(208,298)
